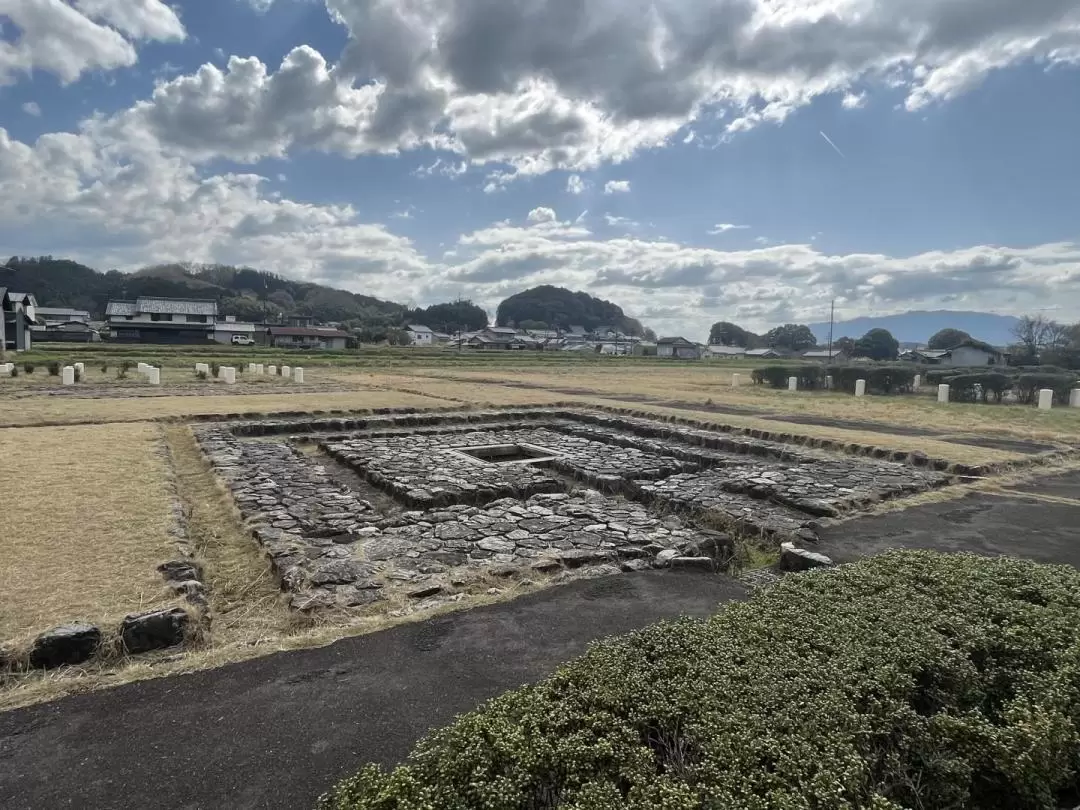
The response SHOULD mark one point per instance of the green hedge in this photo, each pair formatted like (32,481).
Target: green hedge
(982,384)
(880,379)
(811,375)
(912,679)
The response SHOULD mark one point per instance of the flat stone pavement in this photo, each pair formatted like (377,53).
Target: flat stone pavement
(277,731)
(1008,524)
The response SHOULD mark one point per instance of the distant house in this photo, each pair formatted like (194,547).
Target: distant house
(53,316)
(301,337)
(420,335)
(488,340)
(678,348)
(63,324)
(825,356)
(968,354)
(765,354)
(718,352)
(502,331)
(18,317)
(162,320)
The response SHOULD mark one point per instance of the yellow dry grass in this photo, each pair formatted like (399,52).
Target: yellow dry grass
(85,521)
(709,383)
(46,410)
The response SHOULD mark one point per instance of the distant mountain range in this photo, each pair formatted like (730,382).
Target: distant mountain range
(917,327)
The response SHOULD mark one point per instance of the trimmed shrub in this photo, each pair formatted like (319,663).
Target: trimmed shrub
(811,376)
(913,679)
(214,369)
(880,379)
(54,369)
(1027,386)
(104,368)
(984,387)
(78,374)
(14,371)
(29,368)
(200,374)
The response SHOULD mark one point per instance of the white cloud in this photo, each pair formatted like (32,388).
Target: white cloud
(69,40)
(724,227)
(617,187)
(32,108)
(853,101)
(619,222)
(574,184)
(542,215)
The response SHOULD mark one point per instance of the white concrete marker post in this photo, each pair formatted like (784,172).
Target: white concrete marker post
(734,380)
(81,368)
(69,375)
(860,388)
(916,384)
(792,383)
(828,382)
(229,373)
(286,371)
(153,376)
(1074,398)
(1046,399)
(271,370)
(298,374)
(259,368)
(943,394)
(142,367)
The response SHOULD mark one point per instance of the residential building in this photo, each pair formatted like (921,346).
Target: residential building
(825,356)
(766,354)
(420,335)
(225,330)
(969,354)
(18,316)
(717,352)
(52,316)
(298,337)
(490,340)
(162,320)
(678,348)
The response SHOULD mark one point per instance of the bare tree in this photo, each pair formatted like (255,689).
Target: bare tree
(1034,333)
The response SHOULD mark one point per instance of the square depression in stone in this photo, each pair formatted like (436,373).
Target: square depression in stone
(519,453)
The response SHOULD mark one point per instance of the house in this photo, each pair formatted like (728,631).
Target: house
(18,318)
(677,347)
(765,354)
(300,321)
(502,331)
(162,320)
(487,341)
(226,330)
(825,356)
(717,352)
(420,335)
(54,316)
(968,354)
(301,337)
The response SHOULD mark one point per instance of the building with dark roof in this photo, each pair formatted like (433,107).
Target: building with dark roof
(678,348)
(162,320)
(299,337)
(16,318)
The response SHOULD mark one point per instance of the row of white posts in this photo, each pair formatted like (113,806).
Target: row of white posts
(1046,395)
(228,373)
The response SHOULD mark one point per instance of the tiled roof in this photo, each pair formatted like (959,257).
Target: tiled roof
(418,328)
(120,308)
(65,312)
(176,306)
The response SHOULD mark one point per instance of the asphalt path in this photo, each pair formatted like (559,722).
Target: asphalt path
(277,731)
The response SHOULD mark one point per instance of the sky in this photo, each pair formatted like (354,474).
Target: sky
(690,160)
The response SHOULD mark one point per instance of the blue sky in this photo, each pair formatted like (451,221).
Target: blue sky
(668,156)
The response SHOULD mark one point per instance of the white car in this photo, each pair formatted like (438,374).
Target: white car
(243,340)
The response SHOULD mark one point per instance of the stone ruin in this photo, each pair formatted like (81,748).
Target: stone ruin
(416,508)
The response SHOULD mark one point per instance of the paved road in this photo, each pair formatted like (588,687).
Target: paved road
(984,524)
(277,731)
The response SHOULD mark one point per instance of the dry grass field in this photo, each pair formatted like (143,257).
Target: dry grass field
(86,516)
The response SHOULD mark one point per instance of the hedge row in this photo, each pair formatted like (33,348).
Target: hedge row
(909,680)
(880,379)
(984,385)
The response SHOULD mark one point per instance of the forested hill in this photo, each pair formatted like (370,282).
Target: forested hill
(250,295)
(548,307)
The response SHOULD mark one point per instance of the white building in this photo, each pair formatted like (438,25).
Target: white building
(162,320)
(420,335)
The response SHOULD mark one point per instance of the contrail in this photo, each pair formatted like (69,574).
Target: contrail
(828,140)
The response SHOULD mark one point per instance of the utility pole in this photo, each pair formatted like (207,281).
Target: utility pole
(832,319)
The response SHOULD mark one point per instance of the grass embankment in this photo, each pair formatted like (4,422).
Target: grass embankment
(86,515)
(909,680)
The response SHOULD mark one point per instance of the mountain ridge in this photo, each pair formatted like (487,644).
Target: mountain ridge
(917,326)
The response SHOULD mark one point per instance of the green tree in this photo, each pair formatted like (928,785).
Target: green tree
(724,333)
(398,337)
(533,325)
(845,345)
(794,336)
(947,338)
(877,344)
(649,336)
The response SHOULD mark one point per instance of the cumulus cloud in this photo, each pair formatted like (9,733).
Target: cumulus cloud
(503,83)
(617,187)
(70,39)
(126,203)
(574,184)
(32,108)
